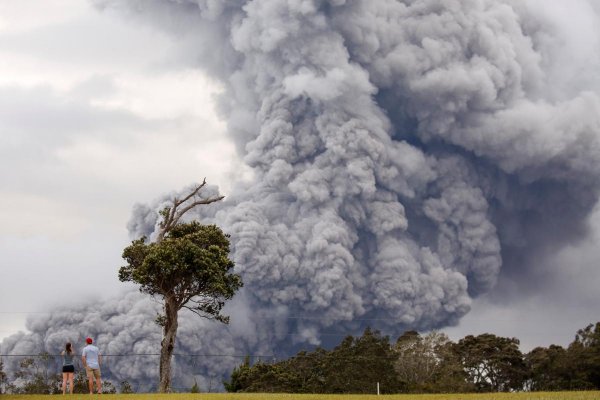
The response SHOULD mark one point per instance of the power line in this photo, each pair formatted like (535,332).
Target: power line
(300,317)
(266,318)
(321,334)
(27,312)
(293,317)
(252,356)
(145,355)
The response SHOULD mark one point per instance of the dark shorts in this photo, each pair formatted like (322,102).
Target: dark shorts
(68,368)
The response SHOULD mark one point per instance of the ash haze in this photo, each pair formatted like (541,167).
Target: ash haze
(411,164)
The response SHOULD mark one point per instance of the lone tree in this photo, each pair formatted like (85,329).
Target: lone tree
(188,266)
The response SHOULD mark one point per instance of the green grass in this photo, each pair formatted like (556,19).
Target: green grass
(591,395)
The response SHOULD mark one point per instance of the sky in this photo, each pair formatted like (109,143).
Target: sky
(95,115)
(98,113)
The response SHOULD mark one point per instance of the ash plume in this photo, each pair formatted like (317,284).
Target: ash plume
(406,156)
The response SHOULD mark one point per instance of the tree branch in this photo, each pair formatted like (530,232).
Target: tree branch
(192,194)
(194,204)
(173,214)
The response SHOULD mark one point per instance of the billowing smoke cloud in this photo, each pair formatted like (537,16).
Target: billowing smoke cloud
(406,154)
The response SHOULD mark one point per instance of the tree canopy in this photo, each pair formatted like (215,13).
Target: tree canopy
(493,363)
(428,364)
(354,366)
(190,265)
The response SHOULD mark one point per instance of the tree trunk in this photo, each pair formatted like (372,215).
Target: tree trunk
(167,345)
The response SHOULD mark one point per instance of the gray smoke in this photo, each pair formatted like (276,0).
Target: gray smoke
(406,154)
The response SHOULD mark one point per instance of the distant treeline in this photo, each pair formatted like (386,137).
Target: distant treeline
(415,363)
(428,364)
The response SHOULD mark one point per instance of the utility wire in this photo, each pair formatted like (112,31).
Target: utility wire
(271,356)
(143,355)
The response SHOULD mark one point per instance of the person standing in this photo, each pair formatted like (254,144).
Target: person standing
(92,360)
(68,369)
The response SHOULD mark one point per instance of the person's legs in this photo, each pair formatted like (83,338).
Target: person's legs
(90,377)
(70,377)
(98,380)
(64,384)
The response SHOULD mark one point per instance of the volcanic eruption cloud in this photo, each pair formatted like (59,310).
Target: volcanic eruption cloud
(405,155)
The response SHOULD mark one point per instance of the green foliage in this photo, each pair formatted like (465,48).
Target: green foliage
(355,366)
(36,376)
(427,364)
(493,363)
(195,388)
(587,341)
(80,382)
(548,368)
(126,388)
(108,387)
(304,373)
(574,368)
(191,264)
(239,376)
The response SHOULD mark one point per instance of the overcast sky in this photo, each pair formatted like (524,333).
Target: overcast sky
(97,114)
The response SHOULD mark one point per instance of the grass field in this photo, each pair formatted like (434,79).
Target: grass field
(591,395)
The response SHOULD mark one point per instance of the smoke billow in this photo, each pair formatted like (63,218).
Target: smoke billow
(406,154)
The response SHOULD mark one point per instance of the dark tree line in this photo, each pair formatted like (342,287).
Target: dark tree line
(355,366)
(576,367)
(428,364)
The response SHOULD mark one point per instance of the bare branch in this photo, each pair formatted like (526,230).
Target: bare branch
(174,214)
(176,203)
(194,204)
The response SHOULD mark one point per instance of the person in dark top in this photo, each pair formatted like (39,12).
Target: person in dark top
(68,368)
